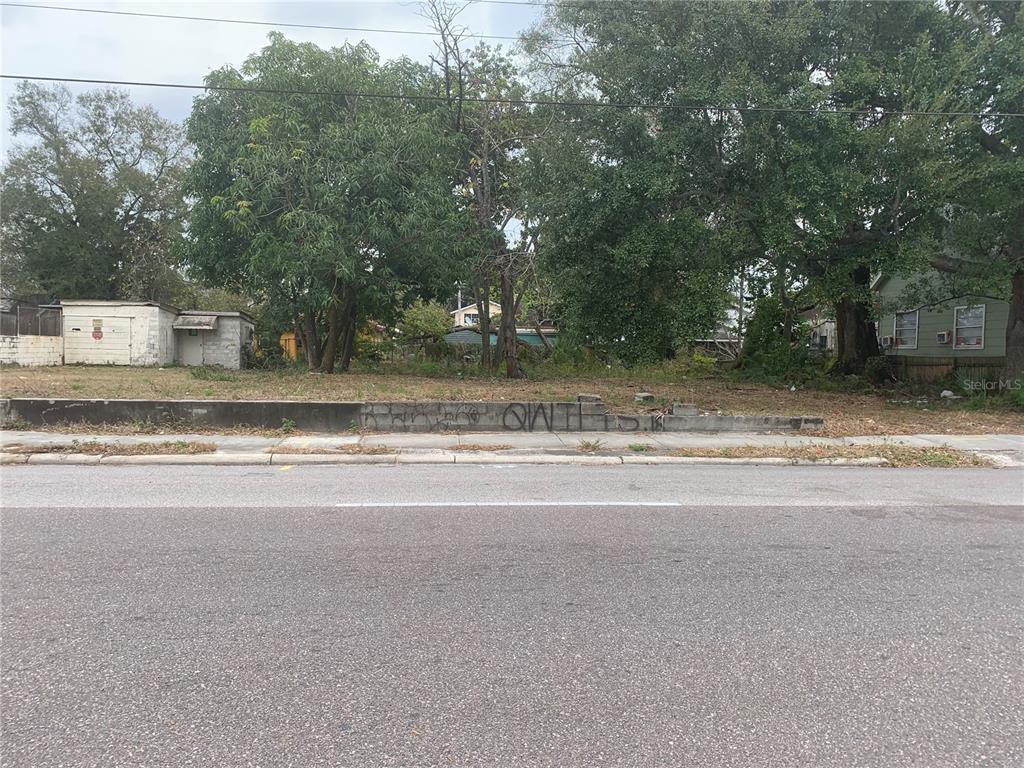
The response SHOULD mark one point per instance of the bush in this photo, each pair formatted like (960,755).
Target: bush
(702,364)
(879,370)
(425,319)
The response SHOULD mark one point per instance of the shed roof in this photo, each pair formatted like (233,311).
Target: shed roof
(116,303)
(196,322)
(210,312)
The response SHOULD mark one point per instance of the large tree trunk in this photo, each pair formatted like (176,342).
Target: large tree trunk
(333,332)
(855,331)
(483,312)
(348,343)
(509,346)
(1014,370)
(310,340)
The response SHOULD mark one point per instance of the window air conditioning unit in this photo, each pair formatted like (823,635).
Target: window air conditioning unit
(887,342)
(943,337)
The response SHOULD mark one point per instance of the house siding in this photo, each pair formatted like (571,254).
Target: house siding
(934,320)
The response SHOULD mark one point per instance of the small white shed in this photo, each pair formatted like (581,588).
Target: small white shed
(212,338)
(118,332)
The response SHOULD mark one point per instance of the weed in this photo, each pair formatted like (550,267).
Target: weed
(210,373)
(287,426)
(895,455)
(640,447)
(589,446)
(92,447)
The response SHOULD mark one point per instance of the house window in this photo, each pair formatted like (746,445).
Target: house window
(471,318)
(969,327)
(193,331)
(904,333)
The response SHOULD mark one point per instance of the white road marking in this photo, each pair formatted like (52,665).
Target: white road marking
(442,504)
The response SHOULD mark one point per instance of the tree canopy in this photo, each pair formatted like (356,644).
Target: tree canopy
(322,205)
(92,197)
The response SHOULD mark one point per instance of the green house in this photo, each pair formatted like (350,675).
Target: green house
(964,334)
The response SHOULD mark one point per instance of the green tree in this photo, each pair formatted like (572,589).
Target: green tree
(92,200)
(771,148)
(968,178)
(326,205)
(424,319)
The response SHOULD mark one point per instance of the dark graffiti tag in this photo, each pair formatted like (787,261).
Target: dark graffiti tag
(523,417)
(440,416)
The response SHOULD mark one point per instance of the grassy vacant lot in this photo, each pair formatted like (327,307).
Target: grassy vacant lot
(895,455)
(163,448)
(846,413)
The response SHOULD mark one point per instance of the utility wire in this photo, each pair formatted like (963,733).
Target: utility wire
(220,20)
(513,102)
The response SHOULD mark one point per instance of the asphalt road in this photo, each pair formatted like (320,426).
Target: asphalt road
(649,616)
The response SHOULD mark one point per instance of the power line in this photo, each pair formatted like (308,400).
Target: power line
(220,20)
(513,102)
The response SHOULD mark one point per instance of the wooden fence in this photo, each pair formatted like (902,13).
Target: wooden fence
(928,369)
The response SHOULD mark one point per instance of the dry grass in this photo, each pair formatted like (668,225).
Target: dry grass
(165,448)
(361,450)
(589,446)
(895,455)
(150,428)
(845,413)
(479,447)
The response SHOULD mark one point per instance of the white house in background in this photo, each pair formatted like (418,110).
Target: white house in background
(469,316)
(149,333)
(823,329)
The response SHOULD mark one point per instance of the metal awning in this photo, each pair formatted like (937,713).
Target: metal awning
(196,322)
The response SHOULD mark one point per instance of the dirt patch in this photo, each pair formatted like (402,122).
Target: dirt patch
(894,455)
(93,448)
(479,447)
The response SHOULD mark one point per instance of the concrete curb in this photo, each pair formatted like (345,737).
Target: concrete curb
(331,458)
(216,459)
(440,457)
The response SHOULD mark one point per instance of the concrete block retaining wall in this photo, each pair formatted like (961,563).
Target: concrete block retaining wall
(425,416)
(311,416)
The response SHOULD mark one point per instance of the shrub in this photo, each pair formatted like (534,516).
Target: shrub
(702,364)
(425,319)
(879,370)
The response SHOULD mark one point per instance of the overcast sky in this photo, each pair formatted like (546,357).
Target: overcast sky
(64,44)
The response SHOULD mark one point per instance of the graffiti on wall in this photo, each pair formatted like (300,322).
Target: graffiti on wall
(441,416)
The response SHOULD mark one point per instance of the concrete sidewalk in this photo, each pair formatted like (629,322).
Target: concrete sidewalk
(487,447)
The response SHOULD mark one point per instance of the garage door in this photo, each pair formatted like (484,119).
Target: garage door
(97,340)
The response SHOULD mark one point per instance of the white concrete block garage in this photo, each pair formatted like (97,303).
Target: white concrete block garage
(212,338)
(148,333)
